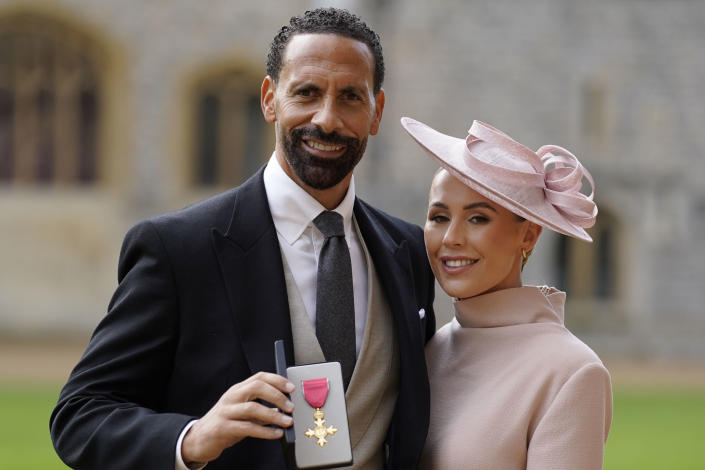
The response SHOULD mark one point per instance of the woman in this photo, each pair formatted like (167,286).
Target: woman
(511,387)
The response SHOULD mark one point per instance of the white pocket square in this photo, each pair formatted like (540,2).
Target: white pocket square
(422,314)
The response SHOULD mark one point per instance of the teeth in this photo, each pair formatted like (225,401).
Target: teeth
(456,263)
(324,147)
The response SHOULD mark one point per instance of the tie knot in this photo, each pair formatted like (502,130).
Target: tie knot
(330,223)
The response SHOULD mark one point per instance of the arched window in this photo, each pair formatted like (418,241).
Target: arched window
(590,270)
(232,137)
(49,102)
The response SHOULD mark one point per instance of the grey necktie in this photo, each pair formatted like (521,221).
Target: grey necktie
(335,305)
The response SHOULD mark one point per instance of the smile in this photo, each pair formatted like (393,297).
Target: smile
(323,147)
(457,263)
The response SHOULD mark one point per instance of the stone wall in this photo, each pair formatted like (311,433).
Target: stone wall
(618,82)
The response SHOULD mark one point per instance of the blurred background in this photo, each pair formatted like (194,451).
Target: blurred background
(113,111)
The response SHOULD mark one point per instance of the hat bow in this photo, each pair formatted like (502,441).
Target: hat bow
(552,168)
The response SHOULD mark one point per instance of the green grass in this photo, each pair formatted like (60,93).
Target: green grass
(657,428)
(24,427)
(652,429)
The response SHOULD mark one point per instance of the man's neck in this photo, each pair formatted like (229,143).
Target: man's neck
(332,197)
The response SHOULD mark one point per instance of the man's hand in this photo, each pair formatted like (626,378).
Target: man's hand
(237,415)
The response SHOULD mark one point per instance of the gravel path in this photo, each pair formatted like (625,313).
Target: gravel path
(51,361)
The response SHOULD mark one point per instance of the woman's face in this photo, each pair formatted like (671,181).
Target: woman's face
(473,244)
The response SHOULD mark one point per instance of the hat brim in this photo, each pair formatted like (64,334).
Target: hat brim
(450,153)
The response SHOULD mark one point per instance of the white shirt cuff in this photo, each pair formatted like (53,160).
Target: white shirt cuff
(178,460)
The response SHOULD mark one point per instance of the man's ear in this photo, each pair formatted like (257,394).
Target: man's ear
(379,107)
(267,99)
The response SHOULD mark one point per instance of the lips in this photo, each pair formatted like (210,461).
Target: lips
(323,146)
(456,264)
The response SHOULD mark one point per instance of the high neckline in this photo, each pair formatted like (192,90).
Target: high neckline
(507,307)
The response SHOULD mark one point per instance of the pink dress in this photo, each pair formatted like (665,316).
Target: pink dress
(512,388)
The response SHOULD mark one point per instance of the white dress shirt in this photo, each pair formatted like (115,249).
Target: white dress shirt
(293,211)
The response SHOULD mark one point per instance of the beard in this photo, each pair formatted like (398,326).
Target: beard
(316,172)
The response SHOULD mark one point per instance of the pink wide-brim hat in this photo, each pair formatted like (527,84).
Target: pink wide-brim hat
(542,186)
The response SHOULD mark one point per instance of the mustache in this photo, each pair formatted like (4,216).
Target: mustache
(315,132)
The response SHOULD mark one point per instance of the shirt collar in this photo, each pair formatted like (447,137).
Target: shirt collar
(293,209)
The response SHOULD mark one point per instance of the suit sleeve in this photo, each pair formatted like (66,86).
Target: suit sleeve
(426,284)
(108,414)
(572,433)
(430,314)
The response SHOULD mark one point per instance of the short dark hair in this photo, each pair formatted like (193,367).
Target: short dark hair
(326,21)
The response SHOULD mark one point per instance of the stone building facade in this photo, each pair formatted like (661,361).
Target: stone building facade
(114,111)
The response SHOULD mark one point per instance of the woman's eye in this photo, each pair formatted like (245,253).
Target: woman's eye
(479,219)
(438,218)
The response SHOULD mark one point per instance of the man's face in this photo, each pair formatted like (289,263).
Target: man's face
(324,107)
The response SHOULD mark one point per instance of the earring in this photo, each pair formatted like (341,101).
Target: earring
(524,257)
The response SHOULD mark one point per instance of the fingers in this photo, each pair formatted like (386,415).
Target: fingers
(275,380)
(257,431)
(239,414)
(263,386)
(257,414)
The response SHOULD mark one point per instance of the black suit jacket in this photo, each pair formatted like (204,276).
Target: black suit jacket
(200,301)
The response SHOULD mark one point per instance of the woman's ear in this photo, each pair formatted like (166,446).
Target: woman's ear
(531,236)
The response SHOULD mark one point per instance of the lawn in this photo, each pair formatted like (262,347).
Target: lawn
(653,428)
(657,428)
(24,427)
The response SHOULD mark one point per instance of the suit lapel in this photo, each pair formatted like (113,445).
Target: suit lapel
(251,265)
(253,274)
(393,265)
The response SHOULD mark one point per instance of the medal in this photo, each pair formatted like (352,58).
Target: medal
(315,393)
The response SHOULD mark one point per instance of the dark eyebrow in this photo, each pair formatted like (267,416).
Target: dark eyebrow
(304,86)
(353,89)
(474,205)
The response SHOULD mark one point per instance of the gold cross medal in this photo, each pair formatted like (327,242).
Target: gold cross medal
(316,393)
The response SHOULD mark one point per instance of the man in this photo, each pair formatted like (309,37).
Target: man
(177,372)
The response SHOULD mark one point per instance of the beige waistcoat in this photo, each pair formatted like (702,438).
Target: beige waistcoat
(374,385)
